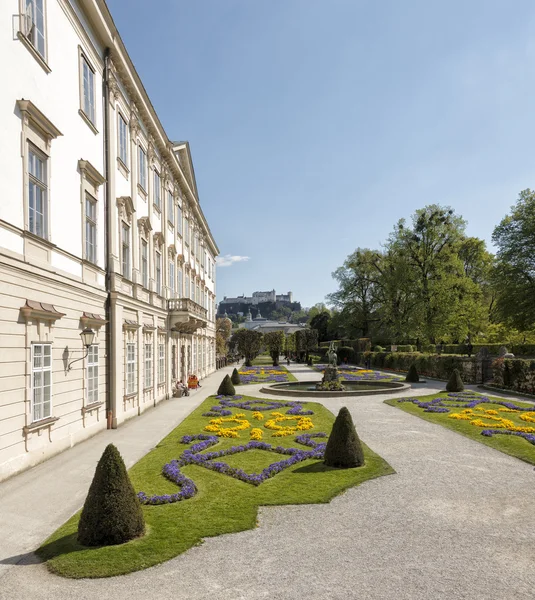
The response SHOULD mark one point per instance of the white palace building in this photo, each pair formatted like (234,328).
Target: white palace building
(107,263)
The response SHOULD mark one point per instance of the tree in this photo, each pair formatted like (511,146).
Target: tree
(305,341)
(274,340)
(320,322)
(514,275)
(226,387)
(455,383)
(344,449)
(412,374)
(235,377)
(222,335)
(248,343)
(112,513)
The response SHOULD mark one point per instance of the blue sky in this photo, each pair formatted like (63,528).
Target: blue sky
(316,124)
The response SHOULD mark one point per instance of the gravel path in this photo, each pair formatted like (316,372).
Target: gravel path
(452,523)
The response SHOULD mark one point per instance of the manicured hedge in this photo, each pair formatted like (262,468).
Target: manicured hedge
(346,354)
(429,365)
(494,349)
(515,373)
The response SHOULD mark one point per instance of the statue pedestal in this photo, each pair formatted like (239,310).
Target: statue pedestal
(330,374)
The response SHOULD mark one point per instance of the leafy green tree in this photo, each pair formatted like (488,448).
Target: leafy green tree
(112,513)
(514,276)
(222,335)
(248,343)
(274,340)
(344,449)
(320,322)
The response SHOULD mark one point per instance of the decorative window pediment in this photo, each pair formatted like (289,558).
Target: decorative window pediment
(40,311)
(36,119)
(158,239)
(144,226)
(92,320)
(91,173)
(129,324)
(172,251)
(126,208)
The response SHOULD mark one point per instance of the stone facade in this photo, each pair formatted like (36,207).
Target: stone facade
(100,227)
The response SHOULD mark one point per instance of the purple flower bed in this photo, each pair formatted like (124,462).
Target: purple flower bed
(271,375)
(227,402)
(350,373)
(530,437)
(195,456)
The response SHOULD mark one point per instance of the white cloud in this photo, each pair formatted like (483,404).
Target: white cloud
(228,260)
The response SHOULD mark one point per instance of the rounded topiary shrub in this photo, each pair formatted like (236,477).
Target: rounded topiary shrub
(226,388)
(235,377)
(343,447)
(112,513)
(455,383)
(412,375)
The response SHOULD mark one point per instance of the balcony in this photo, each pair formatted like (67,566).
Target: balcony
(185,315)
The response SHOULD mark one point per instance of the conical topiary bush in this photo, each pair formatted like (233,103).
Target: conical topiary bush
(455,383)
(235,377)
(112,513)
(412,375)
(226,388)
(343,447)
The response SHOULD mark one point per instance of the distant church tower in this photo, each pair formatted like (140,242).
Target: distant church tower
(249,316)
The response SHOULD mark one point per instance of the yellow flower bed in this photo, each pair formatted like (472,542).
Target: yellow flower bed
(490,415)
(303,423)
(258,415)
(256,434)
(216,427)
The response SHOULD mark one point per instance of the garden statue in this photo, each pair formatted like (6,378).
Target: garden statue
(333,358)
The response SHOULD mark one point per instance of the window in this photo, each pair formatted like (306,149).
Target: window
(172,278)
(92,374)
(170,208)
(148,365)
(186,295)
(159,273)
(123,140)
(161,363)
(144,264)
(142,168)
(186,231)
(192,288)
(90,229)
(88,90)
(41,381)
(38,193)
(130,368)
(179,286)
(157,186)
(179,220)
(33,24)
(125,243)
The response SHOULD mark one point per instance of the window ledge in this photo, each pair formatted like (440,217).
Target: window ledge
(91,407)
(148,389)
(90,123)
(38,425)
(42,62)
(170,224)
(142,190)
(122,167)
(38,238)
(157,208)
(131,396)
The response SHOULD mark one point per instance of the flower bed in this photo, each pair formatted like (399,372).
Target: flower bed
(350,373)
(481,417)
(265,374)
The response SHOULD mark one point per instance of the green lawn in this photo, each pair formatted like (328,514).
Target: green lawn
(262,360)
(508,444)
(221,505)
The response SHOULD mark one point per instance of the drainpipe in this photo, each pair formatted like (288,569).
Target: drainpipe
(110,317)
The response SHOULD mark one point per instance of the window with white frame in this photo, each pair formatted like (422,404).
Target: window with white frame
(179,220)
(37,192)
(161,363)
(172,277)
(90,229)
(123,139)
(157,190)
(179,290)
(144,263)
(125,249)
(192,288)
(92,374)
(170,208)
(158,269)
(148,365)
(41,381)
(142,167)
(33,24)
(186,230)
(130,368)
(88,89)
(186,295)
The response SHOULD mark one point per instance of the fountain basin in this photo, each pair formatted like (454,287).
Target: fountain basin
(353,388)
